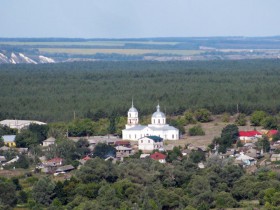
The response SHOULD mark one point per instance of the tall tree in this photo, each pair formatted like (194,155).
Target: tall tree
(43,191)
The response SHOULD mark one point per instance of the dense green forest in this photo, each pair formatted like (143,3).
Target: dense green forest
(145,184)
(53,92)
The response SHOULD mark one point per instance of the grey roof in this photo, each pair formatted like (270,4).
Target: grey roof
(122,148)
(9,138)
(154,128)
(51,139)
(2,158)
(137,128)
(65,168)
(165,128)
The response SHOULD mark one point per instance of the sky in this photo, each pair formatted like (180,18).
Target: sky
(138,18)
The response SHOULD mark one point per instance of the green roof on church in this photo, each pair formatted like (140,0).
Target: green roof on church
(155,138)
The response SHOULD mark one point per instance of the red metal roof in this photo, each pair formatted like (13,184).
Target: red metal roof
(249,133)
(158,156)
(55,160)
(86,158)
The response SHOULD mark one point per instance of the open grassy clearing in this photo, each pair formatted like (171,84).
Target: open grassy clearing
(119,51)
(212,129)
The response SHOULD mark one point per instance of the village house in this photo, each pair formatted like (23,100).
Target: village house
(53,162)
(159,157)
(275,146)
(9,140)
(253,153)
(123,151)
(84,160)
(123,143)
(245,160)
(150,143)
(275,157)
(48,142)
(143,156)
(65,169)
(249,136)
(2,159)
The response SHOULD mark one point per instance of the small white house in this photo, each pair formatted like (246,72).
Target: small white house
(158,157)
(275,157)
(150,143)
(48,142)
(246,160)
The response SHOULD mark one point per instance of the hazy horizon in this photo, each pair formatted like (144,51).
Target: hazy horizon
(138,19)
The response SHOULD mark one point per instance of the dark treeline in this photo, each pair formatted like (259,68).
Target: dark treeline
(53,92)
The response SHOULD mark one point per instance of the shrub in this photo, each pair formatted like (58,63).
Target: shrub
(196,131)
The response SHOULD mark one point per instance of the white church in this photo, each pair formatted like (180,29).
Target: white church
(158,127)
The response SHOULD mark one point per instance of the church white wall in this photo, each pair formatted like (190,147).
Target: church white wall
(147,144)
(134,135)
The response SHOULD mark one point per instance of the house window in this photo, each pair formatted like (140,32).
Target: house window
(158,120)
(154,121)
(129,136)
(149,141)
(135,136)
(172,136)
(129,114)
(142,141)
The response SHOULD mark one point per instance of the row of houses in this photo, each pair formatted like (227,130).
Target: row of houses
(254,135)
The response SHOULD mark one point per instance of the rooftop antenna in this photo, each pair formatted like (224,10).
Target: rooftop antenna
(132,103)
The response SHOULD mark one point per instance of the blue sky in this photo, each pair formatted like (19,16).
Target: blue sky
(138,18)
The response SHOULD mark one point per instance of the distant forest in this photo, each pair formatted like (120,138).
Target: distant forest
(53,92)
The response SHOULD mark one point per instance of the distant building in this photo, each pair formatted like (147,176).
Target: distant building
(249,136)
(20,124)
(53,162)
(275,157)
(66,168)
(158,127)
(159,157)
(9,140)
(150,143)
(123,151)
(245,160)
(48,142)
(123,143)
